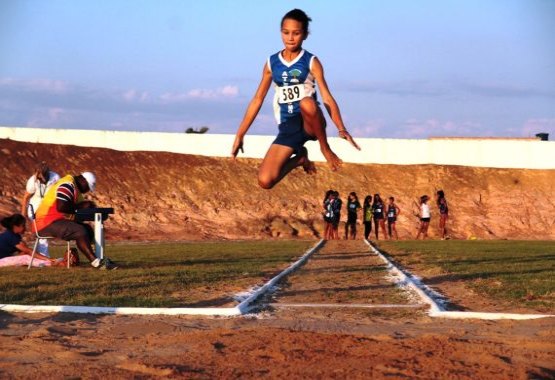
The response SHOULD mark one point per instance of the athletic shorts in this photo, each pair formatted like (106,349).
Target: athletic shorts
(424,219)
(292,134)
(67,230)
(391,220)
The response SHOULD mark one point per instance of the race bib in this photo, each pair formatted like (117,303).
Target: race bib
(290,94)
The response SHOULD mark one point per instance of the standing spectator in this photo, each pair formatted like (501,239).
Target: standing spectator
(392,212)
(353,207)
(336,209)
(328,213)
(37,186)
(443,214)
(378,213)
(367,216)
(424,217)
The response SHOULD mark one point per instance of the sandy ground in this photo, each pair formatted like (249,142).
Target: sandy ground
(284,340)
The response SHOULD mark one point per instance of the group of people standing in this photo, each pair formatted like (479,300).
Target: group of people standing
(425,215)
(376,211)
(373,209)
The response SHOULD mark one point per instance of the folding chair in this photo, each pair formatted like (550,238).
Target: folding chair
(38,237)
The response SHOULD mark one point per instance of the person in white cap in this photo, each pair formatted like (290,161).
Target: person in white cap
(56,215)
(37,186)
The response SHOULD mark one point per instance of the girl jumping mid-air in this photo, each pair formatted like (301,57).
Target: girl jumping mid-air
(295,73)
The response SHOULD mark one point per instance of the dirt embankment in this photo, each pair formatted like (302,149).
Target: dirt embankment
(173,196)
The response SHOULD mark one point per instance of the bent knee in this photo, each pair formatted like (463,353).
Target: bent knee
(265,182)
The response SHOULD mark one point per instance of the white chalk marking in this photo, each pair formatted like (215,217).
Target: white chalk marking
(352,305)
(245,305)
(221,311)
(436,300)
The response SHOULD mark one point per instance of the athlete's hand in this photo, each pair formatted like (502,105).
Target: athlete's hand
(347,136)
(237,146)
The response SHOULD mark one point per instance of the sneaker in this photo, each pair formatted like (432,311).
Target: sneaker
(107,264)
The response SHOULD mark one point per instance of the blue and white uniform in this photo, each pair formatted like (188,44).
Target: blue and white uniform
(293,82)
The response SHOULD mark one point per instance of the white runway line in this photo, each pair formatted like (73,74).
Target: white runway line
(344,305)
(221,311)
(436,300)
(245,306)
(240,309)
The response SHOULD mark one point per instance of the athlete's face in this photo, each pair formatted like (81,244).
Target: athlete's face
(292,34)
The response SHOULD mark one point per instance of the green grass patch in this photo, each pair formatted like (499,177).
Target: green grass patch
(519,272)
(154,275)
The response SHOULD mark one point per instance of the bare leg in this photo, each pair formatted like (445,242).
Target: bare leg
(420,229)
(277,163)
(314,124)
(395,231)
(84,245)
(382,225)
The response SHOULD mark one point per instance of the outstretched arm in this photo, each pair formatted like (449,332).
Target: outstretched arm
(252,110)
(329,102)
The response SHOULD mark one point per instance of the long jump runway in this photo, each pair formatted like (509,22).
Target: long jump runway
(342,274)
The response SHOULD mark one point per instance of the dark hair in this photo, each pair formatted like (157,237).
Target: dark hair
(440,196)
(424,198)
(328,193)
(13,220)
(367,200)
(300,16)
(42,172)
(392,199)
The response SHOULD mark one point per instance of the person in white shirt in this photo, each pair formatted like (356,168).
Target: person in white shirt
(37,185)
(424,217)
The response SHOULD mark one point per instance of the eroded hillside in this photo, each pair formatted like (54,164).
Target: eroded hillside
(174,196)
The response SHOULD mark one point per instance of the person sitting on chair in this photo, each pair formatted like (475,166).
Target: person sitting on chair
(56,215)
(37,186)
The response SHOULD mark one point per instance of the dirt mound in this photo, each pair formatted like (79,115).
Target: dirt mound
(159,195)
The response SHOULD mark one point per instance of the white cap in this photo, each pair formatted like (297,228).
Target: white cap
(91,180)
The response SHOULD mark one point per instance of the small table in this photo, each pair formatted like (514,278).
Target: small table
(99,215)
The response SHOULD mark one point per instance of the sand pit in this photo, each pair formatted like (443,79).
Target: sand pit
(283,341)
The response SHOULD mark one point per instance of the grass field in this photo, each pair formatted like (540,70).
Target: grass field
(155,275)
(519,272)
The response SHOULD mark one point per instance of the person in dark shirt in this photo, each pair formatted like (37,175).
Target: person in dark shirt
(378,212)
(353,207)
(443,213)
(393,212)
(13,251)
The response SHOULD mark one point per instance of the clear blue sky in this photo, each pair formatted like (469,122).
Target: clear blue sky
(401,69)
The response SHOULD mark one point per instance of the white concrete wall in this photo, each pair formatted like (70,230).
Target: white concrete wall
(496,153)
